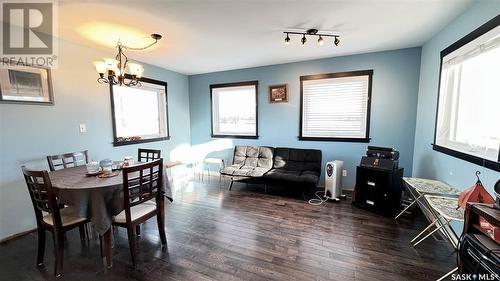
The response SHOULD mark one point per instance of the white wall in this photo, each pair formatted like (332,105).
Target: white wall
(28,133)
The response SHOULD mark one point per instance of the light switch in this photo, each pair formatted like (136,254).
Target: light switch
(83,128)
(344,173)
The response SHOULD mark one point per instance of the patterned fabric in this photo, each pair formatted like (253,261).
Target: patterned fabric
(250,161)
(446,207)
(431,186)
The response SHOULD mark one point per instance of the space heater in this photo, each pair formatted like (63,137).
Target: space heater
(333,180)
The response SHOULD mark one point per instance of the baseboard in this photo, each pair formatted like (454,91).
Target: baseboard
(14,236)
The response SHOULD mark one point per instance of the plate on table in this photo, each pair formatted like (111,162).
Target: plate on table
(108,175)
(91,174)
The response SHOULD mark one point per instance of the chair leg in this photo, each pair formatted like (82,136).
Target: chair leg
(160,218)
(131,244)
(58,253)
(231,184)
(138,230)
(81,229)
(41,246)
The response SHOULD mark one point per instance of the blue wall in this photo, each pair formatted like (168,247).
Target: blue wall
(393,112)
(426,162)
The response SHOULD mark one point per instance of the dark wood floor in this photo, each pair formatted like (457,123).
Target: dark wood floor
(214,234)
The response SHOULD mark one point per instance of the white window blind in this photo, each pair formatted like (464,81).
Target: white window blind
(469,98)
(335,107)
(234,110)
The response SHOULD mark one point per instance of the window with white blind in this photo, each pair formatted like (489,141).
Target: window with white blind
(468,123)
(234,110)
(336,106)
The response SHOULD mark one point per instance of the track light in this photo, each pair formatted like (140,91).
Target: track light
(287,39)
(320,41)
(312,32)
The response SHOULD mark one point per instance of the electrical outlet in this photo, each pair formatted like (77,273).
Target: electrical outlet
(83,128)
(344,173)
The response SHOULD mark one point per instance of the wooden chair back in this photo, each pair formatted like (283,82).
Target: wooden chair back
(42,195)
(68,160)
(146,155)
(142,183)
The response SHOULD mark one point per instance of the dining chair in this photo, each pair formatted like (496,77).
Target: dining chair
(146,155)
(57,221)
(143,199)
(68,160)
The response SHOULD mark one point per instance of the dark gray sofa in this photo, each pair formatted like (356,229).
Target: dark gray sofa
(275,166)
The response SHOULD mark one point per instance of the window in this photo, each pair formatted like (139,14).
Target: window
(336,106)
(234,110)
(140,112)
(467,124)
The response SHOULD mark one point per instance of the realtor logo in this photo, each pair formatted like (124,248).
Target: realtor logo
(28,33)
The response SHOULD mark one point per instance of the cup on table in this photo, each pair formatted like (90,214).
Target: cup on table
(93,167)
(128,161)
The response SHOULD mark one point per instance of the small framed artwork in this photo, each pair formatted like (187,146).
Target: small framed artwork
(278,93)
(25,84)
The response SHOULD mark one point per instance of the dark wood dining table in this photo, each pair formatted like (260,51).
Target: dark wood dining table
(98,199)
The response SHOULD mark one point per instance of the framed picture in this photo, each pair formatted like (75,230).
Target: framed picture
(278,93)
(25,84)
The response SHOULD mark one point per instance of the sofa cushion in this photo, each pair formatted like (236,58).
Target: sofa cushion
(229,170)
(250,161)
(309,177)
(295,159)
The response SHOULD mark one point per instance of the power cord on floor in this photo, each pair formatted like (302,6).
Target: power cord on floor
(319,201)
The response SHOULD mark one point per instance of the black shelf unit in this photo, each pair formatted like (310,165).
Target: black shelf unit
(378,190)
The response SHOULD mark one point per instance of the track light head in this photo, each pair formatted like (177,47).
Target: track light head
(287,39)
(336,41)
(304,39)
(320,41)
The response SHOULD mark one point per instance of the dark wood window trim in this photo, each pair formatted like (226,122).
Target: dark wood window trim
(491,24)
(145,80)
(236,84)
(338,75)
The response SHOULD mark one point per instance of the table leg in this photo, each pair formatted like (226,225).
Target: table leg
(106,250)
(408,207)
(448,274)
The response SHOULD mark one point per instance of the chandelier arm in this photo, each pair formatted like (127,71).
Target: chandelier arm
(102,80)
(140,48)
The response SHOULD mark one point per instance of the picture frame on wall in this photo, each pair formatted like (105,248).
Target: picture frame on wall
(26,84)
(278,93)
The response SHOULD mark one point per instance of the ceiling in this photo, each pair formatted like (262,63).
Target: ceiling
(208,36)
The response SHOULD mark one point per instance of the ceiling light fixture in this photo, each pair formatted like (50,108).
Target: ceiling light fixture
(287,39)
(336,41)
(321,41)
(115,68)
(304,39)
(312,32)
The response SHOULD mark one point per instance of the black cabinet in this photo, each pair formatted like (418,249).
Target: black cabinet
(378,190)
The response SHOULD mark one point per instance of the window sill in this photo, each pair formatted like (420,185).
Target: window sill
(467,157)
(121,143)
(234,136)
(365,140)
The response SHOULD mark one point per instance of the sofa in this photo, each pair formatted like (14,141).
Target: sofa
(275,166)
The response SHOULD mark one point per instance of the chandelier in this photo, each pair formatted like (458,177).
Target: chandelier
(112,71)
(312,32)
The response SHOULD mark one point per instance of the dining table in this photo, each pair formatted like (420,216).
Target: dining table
(96,198)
